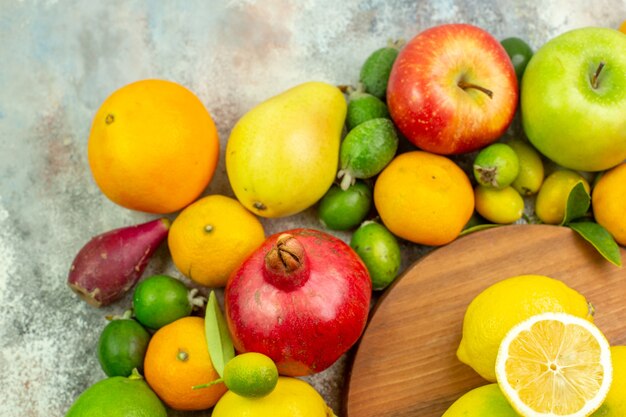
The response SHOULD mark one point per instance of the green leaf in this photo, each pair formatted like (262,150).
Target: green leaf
(578,203)
(600,238)
(477,228)
(217,335)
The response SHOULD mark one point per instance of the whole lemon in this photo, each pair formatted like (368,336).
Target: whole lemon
(615,402)
(609,202)
(503,305)
(483,401)
(153,146)
(211,237)
(292,397)
(424,198)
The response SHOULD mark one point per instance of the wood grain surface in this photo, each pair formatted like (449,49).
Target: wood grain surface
(406,365)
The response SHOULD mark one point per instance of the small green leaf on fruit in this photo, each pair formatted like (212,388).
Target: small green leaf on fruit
(600,238)
(477,228)
(578,203)
(217,335)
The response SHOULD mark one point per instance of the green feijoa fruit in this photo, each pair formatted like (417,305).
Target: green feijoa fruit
(366,150)
(160,299)
(496,166)
(379,250)
(118,397)
(122,347)
(376,69)
(345,209)
(531,170)
(519,52)
(502,206)
(363,107)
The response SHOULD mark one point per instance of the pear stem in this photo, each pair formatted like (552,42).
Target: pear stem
(594,79)
(464,85)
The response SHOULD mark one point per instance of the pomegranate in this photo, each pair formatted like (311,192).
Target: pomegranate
(302,299)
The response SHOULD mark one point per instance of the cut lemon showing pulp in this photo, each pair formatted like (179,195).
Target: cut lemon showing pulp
(554,364)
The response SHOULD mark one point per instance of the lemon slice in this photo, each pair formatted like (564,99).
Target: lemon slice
(554,364)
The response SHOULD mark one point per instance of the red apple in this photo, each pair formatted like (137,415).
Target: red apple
(302,299)
(452,89)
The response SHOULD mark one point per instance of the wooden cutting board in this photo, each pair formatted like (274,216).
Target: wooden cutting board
(406,365)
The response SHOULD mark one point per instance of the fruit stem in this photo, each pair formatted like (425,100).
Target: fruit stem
(195,298)
(396,44)
(167,223)
(182,355)
(464,85)
(134,375)
(127,315)
(596,76)
(346,179)
(208,384)
(488,175)
(356,92)
(286,264)
(259,206)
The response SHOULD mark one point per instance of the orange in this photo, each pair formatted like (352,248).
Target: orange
(609,202)
(424,198)
(176,360)
(153,146)
(622,27)
(210,238)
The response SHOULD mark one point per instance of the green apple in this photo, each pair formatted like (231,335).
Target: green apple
(573,99)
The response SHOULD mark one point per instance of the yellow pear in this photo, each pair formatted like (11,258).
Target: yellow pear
(282,155)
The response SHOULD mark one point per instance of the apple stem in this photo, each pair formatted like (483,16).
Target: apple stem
(465,85)
(594,79)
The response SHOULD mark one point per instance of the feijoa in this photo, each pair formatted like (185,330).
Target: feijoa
(376,69)
(531,170)
(366,150)
(379,250)
(496,166)
(363,107)
(519,52)
(160,299)
(502,206)
(345,209)
(122,346)
(552,198)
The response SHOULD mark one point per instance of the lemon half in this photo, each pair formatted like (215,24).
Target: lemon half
(554,364)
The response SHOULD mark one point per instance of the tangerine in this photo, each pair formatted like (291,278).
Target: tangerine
(153,146)
(210,238)
(178,359)
(424,198)
(609,202)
